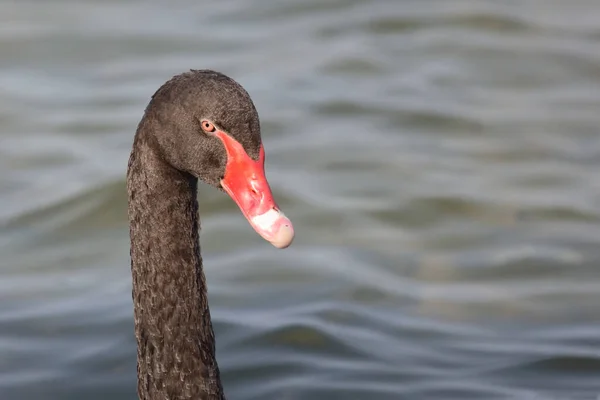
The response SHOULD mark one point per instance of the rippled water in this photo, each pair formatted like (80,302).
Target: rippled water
(439,159)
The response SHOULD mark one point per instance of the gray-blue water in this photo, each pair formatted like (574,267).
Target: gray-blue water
(440,161)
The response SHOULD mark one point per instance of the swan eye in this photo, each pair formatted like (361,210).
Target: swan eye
(207,126)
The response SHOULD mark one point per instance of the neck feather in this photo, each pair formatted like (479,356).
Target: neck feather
(175,339)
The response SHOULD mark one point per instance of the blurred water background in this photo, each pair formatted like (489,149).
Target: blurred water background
(439,159)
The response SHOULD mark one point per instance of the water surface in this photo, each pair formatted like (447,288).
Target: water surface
(439,160)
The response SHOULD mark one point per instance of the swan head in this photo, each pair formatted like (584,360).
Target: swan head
(206,124)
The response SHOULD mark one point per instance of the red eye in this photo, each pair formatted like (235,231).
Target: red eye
(207,126)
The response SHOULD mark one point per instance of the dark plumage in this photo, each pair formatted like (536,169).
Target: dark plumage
(175,339)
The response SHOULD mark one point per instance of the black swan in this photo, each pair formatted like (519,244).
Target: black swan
(198,125)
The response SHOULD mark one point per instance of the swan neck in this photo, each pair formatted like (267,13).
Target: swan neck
(175,339)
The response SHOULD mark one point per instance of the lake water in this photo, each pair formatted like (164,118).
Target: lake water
(440,161)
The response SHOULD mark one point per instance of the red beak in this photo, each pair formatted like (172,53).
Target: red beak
(247,185)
